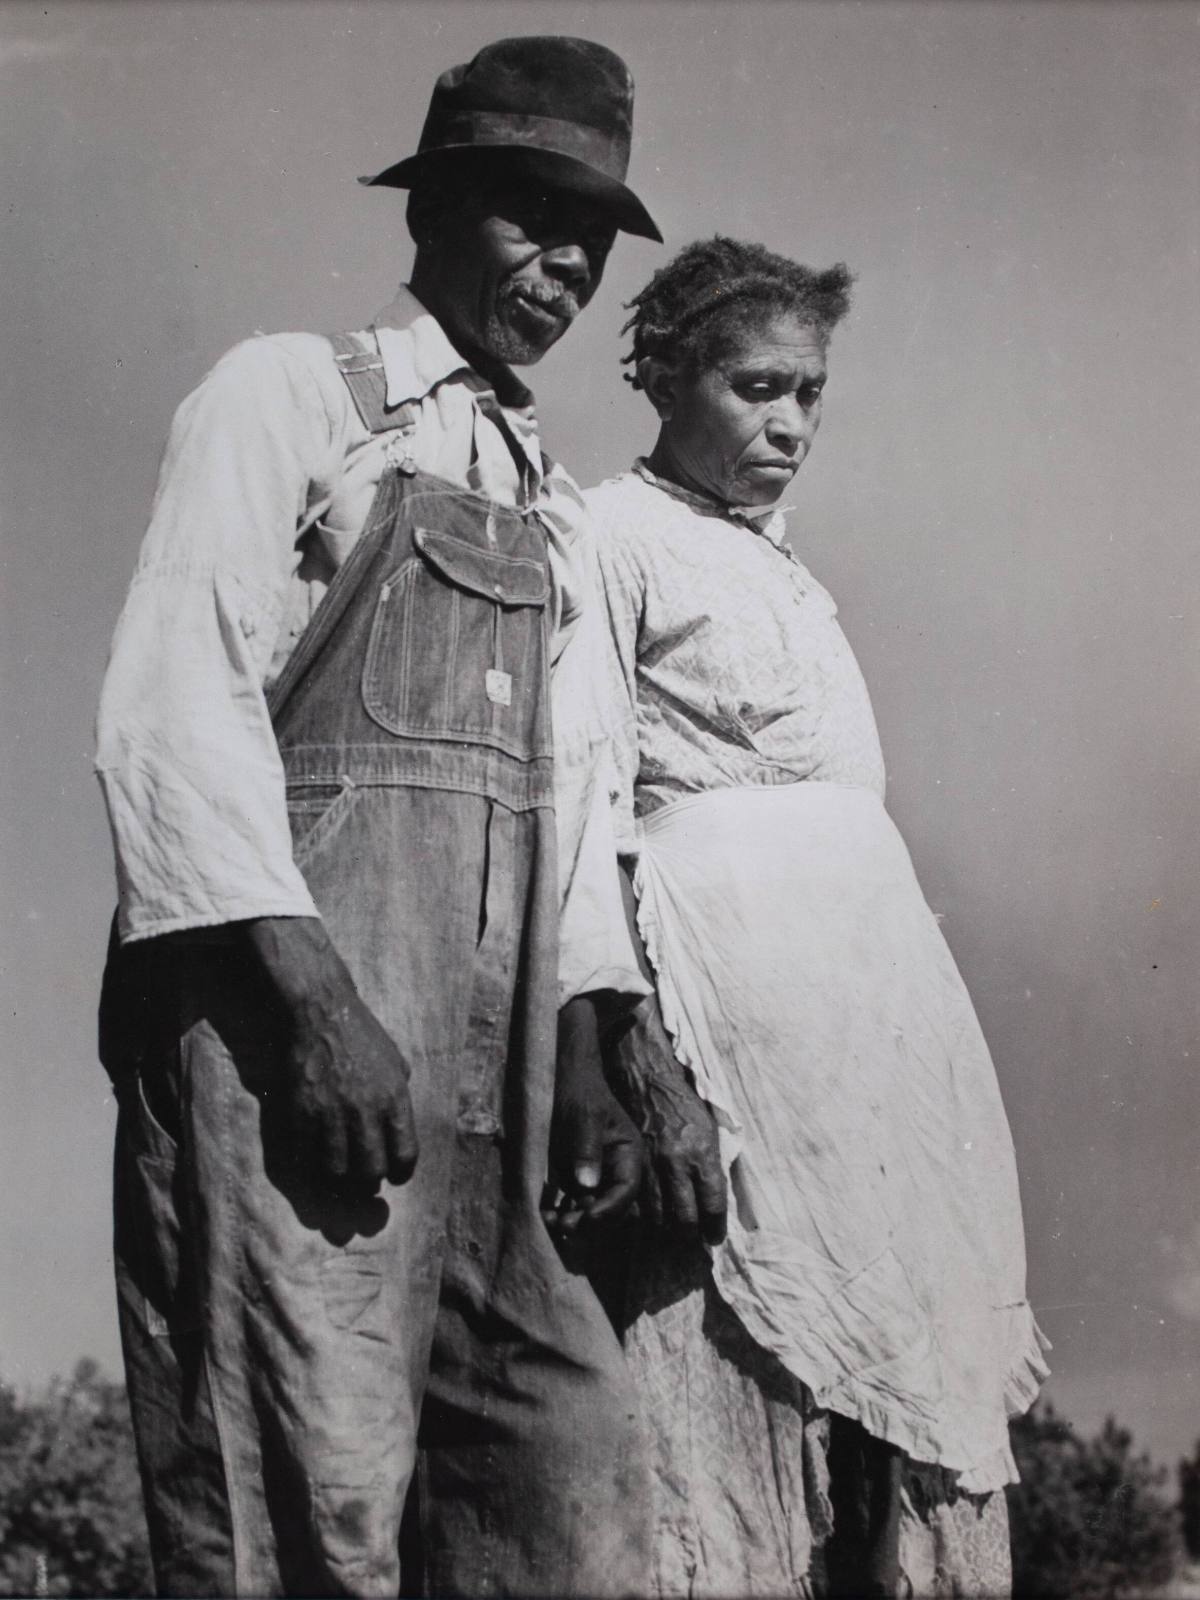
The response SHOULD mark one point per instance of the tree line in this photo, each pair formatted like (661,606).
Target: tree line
(1092,1519)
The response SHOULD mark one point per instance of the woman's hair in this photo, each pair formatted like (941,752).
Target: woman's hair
(696,306)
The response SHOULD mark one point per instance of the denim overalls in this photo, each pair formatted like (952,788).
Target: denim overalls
(288,1349)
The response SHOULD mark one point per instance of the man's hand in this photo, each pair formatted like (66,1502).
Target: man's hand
(685,1184)
(595,1151)
(344,1082)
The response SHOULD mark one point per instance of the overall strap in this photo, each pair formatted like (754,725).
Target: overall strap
(362,368)
(337,597)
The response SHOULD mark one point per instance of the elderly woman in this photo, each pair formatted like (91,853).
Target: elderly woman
(847,1351)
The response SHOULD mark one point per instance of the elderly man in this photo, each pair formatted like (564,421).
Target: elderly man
(326,748)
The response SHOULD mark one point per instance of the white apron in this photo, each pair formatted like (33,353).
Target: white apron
(875,1242)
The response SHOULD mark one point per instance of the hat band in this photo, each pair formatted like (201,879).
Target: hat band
(609,153)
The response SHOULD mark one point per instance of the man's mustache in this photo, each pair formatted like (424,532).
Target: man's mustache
(558,302)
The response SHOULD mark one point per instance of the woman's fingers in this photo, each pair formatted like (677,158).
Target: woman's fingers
(712,1197)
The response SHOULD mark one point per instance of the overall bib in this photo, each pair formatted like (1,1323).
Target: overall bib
(291,1352)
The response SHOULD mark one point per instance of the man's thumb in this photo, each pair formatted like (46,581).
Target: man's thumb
(588,1163)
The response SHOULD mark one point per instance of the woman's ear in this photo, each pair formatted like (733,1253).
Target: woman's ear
(657,378)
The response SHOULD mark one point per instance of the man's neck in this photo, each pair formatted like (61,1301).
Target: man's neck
(424,282)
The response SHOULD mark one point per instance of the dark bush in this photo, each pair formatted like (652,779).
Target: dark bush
(71,1518)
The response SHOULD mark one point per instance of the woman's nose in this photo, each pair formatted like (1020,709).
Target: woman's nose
(568,263)
(789,424)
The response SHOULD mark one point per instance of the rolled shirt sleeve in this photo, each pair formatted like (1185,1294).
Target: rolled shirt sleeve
(621,588)
(595,949)
(185,752)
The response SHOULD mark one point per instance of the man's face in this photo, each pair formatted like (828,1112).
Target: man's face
(517,264)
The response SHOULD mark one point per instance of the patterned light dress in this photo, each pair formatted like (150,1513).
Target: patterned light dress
(875,1261)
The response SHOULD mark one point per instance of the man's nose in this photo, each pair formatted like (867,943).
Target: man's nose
(568,264)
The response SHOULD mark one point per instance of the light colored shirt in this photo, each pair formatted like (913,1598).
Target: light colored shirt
(268,477)
(732,667)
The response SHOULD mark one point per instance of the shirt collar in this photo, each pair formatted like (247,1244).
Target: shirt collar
(767,520)
(417,356)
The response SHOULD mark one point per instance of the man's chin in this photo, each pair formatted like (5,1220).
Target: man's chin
(521,343)
(517,352)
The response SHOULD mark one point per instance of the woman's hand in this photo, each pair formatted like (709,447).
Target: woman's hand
(685,1183)
(596,1153)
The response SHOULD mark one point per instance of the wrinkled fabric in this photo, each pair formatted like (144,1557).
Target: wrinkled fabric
(731,666)
(876,1243)
(745,1466)
(267,479)
(740,1485)
(952,1545)
(290,1347)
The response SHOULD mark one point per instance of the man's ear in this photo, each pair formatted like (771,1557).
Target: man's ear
(426,215)
(657,378)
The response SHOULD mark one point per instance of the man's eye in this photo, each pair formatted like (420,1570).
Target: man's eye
(810,393)
(756,389)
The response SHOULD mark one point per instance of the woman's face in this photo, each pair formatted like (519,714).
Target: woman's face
(740,429)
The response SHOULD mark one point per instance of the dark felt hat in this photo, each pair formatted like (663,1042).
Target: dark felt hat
(563,107)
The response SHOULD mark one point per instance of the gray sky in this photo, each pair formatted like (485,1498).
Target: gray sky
(1003,498)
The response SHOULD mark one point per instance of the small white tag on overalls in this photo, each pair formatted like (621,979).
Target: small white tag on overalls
(498,686)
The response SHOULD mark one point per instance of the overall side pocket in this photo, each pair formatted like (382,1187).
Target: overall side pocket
(150,1211)
(316,812)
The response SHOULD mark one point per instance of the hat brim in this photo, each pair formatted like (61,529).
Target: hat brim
(555,169)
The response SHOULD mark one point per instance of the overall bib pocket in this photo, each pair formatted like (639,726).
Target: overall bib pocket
(458,647)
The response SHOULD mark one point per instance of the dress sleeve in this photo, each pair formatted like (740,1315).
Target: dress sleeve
(186,756)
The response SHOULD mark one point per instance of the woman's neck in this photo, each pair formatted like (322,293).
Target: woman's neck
(664,463)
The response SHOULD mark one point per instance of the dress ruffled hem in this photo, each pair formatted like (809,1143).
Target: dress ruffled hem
(902,1426)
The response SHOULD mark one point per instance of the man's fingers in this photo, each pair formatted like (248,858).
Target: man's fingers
(679,1198)
(400,1138)
(333,1148)
(366,1158)
(652,1194)
(622,1181)
(586,1154)
(552,1199)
